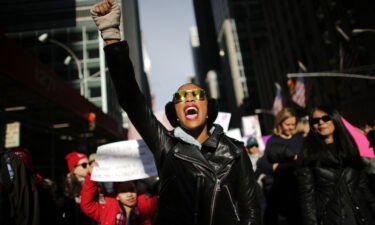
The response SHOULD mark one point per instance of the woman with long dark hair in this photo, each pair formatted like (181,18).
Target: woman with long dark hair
(205,176)
(332,184)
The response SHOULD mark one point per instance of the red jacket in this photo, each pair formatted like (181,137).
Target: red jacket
(107,213)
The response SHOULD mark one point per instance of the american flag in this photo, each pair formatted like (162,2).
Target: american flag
(278,102)
(299,95)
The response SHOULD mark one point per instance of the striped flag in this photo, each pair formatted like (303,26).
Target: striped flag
(278,102)
(299,95)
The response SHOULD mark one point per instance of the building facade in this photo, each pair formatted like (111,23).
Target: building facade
(276,37)
(60,80)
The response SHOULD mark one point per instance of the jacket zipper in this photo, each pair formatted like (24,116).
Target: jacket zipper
(217,183)
(231,200)
(216,190)
(197,197)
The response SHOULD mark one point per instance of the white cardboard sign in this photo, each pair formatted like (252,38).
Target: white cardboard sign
(223,120)
(124,161)
(234,133)
(251,128)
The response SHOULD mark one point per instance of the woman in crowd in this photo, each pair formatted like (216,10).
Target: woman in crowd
(127,208)
(332,183)
(281,152)
(303,126)
(71,213)
(205,176)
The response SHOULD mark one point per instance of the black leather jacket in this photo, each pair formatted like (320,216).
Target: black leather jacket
(214,185)
(324,202)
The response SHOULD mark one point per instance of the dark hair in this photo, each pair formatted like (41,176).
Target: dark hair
(72,186)
(118,186)
(316,150)
(212,110)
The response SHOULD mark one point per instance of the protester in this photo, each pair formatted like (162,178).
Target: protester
(303,126)
(370,126)
(92,158)
(78,165)
(332,184)
(206,177)
(252,149)
(281,151)
(126,208)
(29,197)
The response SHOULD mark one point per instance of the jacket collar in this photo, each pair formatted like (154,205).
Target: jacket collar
(181,134)
(213,141)
(190,153)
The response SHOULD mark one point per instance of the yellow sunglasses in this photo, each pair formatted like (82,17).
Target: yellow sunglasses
(180,96)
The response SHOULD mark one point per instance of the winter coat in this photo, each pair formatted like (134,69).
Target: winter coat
(208,184)
(19,194)
(108,213)
(335,194)
(282,197)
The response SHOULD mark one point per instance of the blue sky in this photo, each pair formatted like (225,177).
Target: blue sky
(165,24)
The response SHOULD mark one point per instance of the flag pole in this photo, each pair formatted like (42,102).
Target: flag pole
(344,75)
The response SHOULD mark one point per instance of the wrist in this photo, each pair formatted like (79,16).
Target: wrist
(111,41)
(111,34)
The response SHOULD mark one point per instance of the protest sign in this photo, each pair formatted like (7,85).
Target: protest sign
(251,128)
(223,120)
(235,133)
(124,161)
(360,139)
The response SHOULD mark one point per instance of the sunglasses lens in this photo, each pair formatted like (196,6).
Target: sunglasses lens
(91,162)
(326,118)
(315,120)
(199,94)
(84,165)
(179,96)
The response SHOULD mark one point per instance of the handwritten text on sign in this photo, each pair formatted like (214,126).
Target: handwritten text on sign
(124,161)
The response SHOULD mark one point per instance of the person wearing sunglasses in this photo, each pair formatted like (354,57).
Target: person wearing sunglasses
(205,176)
(78,165)
(332,184)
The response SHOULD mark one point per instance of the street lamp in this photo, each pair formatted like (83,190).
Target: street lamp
(45,38)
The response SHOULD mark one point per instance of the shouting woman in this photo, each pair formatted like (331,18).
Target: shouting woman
(206,177)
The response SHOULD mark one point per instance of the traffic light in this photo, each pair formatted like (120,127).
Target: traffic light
(92,119)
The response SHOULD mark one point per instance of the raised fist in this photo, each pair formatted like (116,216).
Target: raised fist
(106,15)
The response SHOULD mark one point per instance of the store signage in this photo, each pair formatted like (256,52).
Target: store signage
(12,135)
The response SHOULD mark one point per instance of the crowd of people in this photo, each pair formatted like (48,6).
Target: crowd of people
(310,173)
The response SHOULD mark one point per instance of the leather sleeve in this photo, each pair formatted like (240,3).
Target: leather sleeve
(88,194)
(365,188)
(133,101)
(248,204)
(307,196)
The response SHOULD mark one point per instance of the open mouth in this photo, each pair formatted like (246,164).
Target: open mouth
(191,112)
